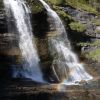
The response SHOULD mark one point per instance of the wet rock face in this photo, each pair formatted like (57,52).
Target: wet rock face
(9,48)
(3,23)
(6,39)
(9,51)
(40,24)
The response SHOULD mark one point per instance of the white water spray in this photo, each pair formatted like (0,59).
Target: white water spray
(66,61)
(20,12)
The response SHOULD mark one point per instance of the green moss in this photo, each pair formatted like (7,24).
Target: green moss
(76,26)
(95,43)
(56,2)
(62,13)
(95,55)
(35,6)
(81,4)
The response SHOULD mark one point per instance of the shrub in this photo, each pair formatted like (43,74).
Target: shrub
(77,26)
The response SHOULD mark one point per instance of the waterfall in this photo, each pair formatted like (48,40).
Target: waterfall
(65,61)
(20,12)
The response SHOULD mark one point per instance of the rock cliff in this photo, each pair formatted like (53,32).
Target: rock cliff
(82,22)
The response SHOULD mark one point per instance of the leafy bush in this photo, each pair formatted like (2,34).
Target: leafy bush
(77,26)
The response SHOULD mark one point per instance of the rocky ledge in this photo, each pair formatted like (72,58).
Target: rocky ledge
(18,89)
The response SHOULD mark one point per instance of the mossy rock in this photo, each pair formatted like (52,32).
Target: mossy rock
(92,44)
(35,6)
(95,55)
(62,13)
(65,17)
(77,26)
(81,4)
(56,2)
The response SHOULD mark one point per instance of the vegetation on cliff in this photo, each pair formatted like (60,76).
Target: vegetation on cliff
(78,4)
(81,4)
(35,6)
(89,6)
(93,51)
(76,26)
(94,55)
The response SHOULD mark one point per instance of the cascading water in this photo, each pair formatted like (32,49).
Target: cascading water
(65,61)
(20,13)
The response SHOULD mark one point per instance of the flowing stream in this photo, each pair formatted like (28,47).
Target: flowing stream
(65,64)
(20,12)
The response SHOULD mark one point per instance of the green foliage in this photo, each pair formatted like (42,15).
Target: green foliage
(35,5)
(81,4)
(56,2)
(95,54)
(76,26)
(87,5)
